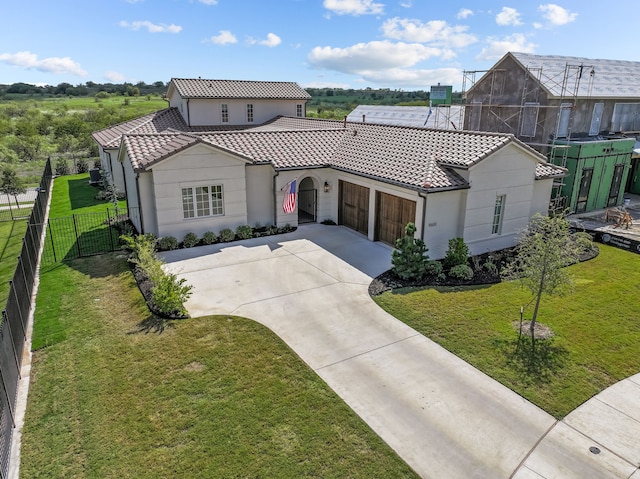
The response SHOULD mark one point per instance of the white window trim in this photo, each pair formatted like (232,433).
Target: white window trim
(249,112)
(498,214)
(224,113)
(212,204)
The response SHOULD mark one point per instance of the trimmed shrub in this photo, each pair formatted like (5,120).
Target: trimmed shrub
(461,271)
(167,243)
(244,232)
(226,235)
(458,253)
(490,266)
(169,295)
(209,237)
(433,267)
(409,259)
(190,240)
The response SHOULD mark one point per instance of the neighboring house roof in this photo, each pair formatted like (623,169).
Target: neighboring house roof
(595,78)
(201,88)
(444,117)
(418,158)
(162,121)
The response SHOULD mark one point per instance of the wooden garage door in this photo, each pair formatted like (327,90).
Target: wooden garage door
(354,206)
(392,215)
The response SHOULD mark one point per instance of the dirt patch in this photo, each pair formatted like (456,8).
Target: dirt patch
(541,331)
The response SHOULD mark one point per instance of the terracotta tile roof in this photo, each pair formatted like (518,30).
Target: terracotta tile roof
(412,157)
(284,149)
(145,150)
(168,120)
(201,88)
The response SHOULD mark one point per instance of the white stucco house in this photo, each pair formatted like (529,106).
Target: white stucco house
(186,169)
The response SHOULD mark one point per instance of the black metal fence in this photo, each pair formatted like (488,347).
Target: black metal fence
(17,207)
(15,316)
(85,234)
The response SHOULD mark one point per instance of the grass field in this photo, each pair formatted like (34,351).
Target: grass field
(135,105)
(597,330)
(117,394)
(11,234)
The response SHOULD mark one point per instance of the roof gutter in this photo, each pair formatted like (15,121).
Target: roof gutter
(424,212)
(275,200)
(139,205)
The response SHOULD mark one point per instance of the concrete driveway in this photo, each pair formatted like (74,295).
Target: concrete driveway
(445,418)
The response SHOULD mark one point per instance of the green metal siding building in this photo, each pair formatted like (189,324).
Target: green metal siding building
(598,170)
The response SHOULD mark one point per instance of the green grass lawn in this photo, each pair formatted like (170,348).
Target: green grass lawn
(597,330)
(72,194)
(118,394)
(11,234)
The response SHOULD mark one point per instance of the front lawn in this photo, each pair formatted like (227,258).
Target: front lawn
(117,393)
(597,330)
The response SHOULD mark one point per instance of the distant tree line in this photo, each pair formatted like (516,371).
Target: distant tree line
(18,90)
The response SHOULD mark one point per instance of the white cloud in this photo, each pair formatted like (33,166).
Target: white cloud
(31,61)
(209,2)
(406,4)
(556,15)
(324,84)
(508,16)
(354,7)
(114,77)
(224,37)
(272,40)
(497,47)
(151,27)
(414,78)
(464,13)
(372,56)
(437,32)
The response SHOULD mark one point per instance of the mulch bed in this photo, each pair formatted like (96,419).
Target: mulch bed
(389,281)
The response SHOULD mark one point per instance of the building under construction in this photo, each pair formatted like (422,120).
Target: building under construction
(554,103)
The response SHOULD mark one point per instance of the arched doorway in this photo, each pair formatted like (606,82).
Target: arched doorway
(307,201)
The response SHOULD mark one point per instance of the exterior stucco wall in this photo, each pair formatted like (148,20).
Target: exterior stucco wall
(260,195)
(541,197)
(148,207)
(133,201)
(509,172)
(443,220)
(199,166)
(202,112)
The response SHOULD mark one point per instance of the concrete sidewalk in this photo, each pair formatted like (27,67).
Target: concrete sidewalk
(445,418)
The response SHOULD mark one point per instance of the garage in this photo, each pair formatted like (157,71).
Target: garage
(392,215)
(354,206)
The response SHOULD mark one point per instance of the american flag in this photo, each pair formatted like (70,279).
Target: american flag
(289,202)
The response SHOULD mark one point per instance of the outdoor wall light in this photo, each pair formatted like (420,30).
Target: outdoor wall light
(327,187)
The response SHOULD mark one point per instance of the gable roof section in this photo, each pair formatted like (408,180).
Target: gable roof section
(610,78)
(201,88)
(144,150)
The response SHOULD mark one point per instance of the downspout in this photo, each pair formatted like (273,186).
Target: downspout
(275,200)
(139,205)
(188,113)
(424,213)
(124,180)
(110,162)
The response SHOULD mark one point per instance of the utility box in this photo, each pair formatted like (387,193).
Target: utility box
(598,170)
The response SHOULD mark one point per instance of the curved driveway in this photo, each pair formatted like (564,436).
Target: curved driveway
(445,418)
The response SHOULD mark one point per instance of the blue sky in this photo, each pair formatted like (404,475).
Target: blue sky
(397,44)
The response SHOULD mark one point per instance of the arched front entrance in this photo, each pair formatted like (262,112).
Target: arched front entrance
(307,201)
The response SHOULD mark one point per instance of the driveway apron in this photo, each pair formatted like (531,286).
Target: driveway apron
(445,418)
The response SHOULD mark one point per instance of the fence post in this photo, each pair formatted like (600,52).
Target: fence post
(110,228)
(75,228)
(18,361)
(53,244)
